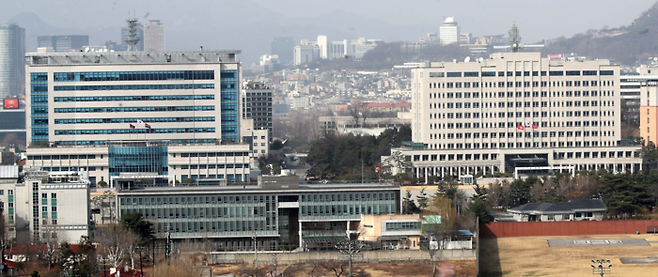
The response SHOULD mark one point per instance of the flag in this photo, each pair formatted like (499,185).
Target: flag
(528,124)
(377,169)
(147,126)
(520,126)
(132,126)
(535,126)
(139,121)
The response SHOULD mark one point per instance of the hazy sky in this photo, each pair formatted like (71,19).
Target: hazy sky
(537,19)
(218,23)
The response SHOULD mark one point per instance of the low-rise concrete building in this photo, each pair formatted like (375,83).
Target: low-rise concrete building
(574,210)
(393,231)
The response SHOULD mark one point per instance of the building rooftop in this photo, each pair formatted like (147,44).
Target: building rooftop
(131,57)
(571,206)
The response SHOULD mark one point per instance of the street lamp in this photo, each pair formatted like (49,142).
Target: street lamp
(599,267)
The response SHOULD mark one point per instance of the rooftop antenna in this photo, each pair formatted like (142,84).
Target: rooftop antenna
(132,39)
(515,39)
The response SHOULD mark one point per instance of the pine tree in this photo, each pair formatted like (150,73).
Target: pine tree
(422,198)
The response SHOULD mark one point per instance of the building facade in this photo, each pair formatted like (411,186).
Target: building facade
(91,98)
(169,162)
(306,52)
(154,36)
(46,206)
(12,61)
(257,105)
(66,43)
(449,31)
(517,110)
(276,211)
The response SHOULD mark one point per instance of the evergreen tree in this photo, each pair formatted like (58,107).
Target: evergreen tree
(409,204)
(422,198)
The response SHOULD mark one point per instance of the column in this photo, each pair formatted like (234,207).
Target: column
(426,176)
(300,235)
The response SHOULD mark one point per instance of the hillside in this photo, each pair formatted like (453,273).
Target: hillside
(628,45)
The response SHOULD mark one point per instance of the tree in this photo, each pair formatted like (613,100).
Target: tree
(276,144)
(480,209)
(623,194)
(189,181)
(409,206)
(142,228)
(422,198)
(82,263)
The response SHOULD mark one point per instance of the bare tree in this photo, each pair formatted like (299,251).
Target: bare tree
(115,243)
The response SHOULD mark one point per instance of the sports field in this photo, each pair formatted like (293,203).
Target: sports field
(532,256)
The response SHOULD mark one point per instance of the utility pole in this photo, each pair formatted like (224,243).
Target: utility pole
(255,250)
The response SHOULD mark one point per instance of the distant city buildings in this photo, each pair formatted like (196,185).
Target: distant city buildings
(64,43)
(449,31)
(323,48)
(12,61)
(154,34)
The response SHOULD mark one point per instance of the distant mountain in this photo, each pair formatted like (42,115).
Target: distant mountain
(628,45)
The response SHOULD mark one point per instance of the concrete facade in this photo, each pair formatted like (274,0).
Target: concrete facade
(516,110)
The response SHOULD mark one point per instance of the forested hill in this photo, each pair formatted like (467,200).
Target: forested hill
(628,45)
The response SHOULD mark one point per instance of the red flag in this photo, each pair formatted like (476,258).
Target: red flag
(132,126)
(147,126)
(520,127)
(534,126)
(377,169)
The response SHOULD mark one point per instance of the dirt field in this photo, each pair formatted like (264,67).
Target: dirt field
(531,256)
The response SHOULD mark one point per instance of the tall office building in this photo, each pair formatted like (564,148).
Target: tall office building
(154,36)
(134,105)
(66,43)
(12,61)
(517,110)
(139,32)
(449,31)
(283,47)
(257,105)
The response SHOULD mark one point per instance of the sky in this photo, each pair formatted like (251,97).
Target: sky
(243,24)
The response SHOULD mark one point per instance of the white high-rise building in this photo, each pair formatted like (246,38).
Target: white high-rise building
(517,110)
(449,31)
(154,37)
(306,52)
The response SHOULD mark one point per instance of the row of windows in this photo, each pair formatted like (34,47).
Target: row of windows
(556,155)
(517,94)
(521,73)
(60,157)
(403,226)
(213,154)
(347,197)
(134,76)
(527,104)
(70,168)
(135,109)
(521,134)
(126,120)
(510,145)
(39,77)
(213,166)
(246,199)
(135,87)
(229,177)
(515,125)
(519,84)
(346,209)
(132,131)
(104,142)
(519,114)
(134,98)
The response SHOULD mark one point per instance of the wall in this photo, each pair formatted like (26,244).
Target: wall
(563,228)
(370,256)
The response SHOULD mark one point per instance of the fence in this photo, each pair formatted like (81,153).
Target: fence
(365,256)
(564,228)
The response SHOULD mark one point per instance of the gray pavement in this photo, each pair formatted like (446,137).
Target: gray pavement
(596,242)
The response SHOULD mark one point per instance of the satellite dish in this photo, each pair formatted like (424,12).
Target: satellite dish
(468,59)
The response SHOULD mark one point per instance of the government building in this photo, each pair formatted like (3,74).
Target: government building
(173,115)
(516,111)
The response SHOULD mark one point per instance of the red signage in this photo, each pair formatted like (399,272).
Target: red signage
(11,103)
